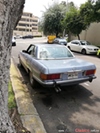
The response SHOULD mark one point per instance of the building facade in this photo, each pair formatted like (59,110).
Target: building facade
(28,25)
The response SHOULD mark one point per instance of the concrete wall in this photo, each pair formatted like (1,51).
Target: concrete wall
(92,34)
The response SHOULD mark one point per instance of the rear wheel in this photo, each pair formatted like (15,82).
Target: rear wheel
(83,51)
(33,82)
(20,64)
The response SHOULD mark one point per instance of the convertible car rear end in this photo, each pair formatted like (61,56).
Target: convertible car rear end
(66,72)
(55,65)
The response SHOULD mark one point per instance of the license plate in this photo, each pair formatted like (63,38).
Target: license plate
(72,75)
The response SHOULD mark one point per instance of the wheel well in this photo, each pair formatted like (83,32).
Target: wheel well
(28,71)
(83,49)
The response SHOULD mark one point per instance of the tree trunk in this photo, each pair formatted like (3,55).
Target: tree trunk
(78,37)
(57,34)
(10,13)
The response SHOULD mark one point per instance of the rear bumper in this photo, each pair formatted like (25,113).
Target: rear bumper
(66,82)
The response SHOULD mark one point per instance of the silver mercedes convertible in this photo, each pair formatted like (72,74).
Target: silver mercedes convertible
(54,65)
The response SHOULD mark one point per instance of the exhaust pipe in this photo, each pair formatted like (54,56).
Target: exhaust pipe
(90,80)
(57,89)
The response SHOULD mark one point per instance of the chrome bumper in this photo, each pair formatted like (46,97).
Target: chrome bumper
(66,82)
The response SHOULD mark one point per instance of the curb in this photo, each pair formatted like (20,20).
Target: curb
(28,114)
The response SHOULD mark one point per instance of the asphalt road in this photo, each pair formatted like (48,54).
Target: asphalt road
(74,109)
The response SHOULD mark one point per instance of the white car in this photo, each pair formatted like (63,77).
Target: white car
(55,66)
(13,41)
(82,46)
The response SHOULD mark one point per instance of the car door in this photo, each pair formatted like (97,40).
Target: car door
(32,64)
(26,57)
(72,45)
(77,46)
(31,55)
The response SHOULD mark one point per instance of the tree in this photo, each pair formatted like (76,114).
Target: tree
(97,11)
(74,22)
(10,13)
(91,11)
(52,17)
(87,11)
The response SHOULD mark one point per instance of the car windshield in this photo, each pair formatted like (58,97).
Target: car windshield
(62,41)
(85,43)
(54,52)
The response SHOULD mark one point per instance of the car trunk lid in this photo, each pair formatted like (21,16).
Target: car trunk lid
(65,65)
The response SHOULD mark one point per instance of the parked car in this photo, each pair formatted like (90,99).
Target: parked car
(55,66)
(27,36)
(18,36)
(51,38)
(60,41)
(82,46)
(13,41)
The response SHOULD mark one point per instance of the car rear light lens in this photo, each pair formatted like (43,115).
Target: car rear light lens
(90,72)
(49,76)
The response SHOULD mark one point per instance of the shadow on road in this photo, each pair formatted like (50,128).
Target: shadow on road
(66,111)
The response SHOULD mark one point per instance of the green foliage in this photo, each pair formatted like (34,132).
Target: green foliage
(11,100)
(91,11)
(74,23)
(86,10)
(78,20)
(40,27)
(51,21)
(66,16)
(97,11)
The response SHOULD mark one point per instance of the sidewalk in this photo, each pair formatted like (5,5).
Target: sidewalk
(28,114)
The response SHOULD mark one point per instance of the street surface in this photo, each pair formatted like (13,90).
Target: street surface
(75,108)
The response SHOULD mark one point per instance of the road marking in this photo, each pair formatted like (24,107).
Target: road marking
(86,84)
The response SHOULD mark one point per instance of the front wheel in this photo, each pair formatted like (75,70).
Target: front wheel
(83,51)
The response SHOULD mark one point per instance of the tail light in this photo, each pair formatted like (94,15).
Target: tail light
(90,72)
(49,76)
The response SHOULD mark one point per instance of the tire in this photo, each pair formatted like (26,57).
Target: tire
(83,51)
(20,64)
(13,43)
(33,82)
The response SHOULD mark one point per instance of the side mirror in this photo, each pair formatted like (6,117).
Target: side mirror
(24,51)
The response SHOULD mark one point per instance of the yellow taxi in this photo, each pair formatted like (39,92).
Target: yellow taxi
(51,38)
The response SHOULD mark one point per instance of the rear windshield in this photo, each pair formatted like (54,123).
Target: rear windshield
(54,53)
